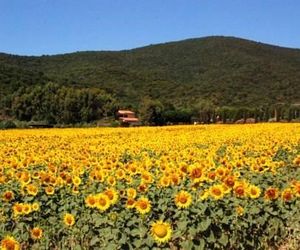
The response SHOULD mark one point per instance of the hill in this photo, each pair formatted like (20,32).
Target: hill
(225,70)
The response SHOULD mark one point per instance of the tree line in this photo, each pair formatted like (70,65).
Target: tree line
(153,112)
(55,104)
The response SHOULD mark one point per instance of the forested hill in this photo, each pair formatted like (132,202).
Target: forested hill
(225,70)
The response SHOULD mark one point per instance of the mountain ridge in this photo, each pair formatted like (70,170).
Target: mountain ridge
(155,44)
(224,70)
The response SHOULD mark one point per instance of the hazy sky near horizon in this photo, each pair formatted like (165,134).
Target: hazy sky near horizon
(36,27)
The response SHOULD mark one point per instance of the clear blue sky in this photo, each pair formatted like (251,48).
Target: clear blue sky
(36,27)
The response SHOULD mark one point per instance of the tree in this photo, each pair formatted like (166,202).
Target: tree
(205,111)
(151,112)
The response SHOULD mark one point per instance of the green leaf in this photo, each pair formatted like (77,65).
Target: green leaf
(138,243)
(123,239)
(149,242)
(204,225)
(201,245)
(224,239)
(211,237)
(219,213)
(187,245)
(193,231)
(254,210)
(182,225)
(94,240)
(85,229)
(135,232)
(77,247)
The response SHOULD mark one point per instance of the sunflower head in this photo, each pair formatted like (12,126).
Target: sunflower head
(216,191)
(35,206)
(32,189)
(9,243)
(103,202)
(91,201)
(271,193)
(69,219)
(161,231)
(196,172)
(76,180)
(131,193)
(239,210)
(26,208)
(112,195)
(183,199)
(36,233)
(253,191)
(8,196)
(49,190)
(143,205)
(130,203)
(287,195)
(18,209)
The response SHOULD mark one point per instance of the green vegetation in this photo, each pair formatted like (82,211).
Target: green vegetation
(213,73)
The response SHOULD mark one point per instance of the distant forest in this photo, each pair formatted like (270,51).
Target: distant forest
(207,79)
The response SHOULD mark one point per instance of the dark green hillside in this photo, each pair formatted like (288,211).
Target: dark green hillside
(228,71)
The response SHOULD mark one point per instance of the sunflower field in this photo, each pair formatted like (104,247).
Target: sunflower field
(179,187)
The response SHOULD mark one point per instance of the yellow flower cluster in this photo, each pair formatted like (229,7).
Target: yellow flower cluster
(129,169)
(25,208)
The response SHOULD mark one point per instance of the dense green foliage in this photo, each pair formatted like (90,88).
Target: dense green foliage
(55,104)
(221,71)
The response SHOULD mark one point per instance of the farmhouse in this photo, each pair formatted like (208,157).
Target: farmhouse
(127,116)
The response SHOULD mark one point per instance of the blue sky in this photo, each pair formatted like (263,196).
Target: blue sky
(36,27)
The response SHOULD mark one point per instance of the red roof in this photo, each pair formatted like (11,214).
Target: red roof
(127,119)
(125,112)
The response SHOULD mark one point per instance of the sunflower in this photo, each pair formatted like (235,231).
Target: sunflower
(9,243)
(253,191)
(296,161)
(112,195)
(143,205)
(35,206)
(161,231)
(229,181)
(18,209)
(103,202)
(36,233)
(296,188)
(8,196)
(287,195)
(25,178)
(26,209)
(175,179)
(203,195)
(216,191)
(49,190)
(91,201)
(211,176)
(32,189)
(131,193)
(164,181)
(111,180)
(196,173)
(146,177)
(271,193)
(183,199)
(69,219)
(240,189)
(75,190)
(239,210)
(76,181)
(221,172)
(130,203)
